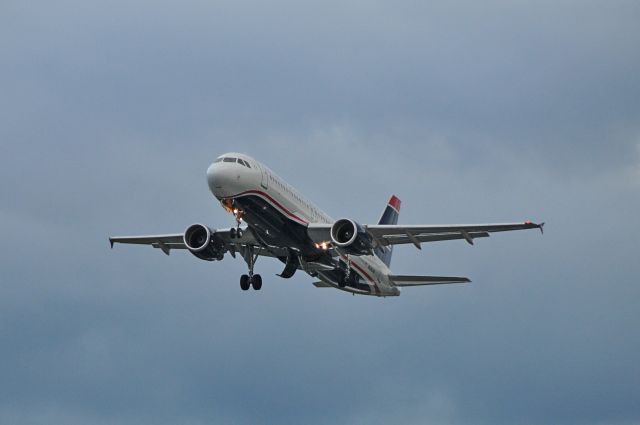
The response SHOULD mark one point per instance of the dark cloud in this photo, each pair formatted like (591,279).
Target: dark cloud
(111,113)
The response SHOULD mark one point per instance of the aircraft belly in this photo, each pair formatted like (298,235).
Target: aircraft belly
(272,226)
(279,229)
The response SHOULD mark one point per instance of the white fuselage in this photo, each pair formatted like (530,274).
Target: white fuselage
(230,180)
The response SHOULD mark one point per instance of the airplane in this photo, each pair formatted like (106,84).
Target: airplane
(272,219)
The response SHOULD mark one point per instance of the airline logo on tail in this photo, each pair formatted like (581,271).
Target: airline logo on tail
(389,216)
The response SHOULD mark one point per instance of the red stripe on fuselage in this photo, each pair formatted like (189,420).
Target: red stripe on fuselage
(273,201)
(366,275)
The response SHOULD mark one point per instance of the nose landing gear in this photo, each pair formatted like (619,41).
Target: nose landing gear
(238,213)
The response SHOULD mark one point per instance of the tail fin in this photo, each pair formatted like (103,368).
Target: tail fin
(389,216)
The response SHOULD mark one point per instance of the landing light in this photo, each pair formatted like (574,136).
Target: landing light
(227,204)
(322,245)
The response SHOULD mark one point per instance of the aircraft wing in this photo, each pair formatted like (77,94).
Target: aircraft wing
(167,242)
(400,234)
(395,234)
(172,241)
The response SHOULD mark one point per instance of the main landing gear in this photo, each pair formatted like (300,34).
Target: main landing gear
(247,281)
(247,251)
(251,279)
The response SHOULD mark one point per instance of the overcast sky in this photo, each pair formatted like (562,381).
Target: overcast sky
(110,113)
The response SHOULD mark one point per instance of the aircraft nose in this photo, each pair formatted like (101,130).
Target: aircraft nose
(216,178)
(224,179)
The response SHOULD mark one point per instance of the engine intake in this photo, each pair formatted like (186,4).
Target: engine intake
(351,236)
(203,242)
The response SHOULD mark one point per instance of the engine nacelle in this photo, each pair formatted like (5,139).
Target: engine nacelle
(351,237)
(203,242)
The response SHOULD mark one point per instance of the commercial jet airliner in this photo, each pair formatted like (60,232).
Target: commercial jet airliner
(272,219)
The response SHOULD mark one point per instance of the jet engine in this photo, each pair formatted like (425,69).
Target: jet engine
(203,242)
(351,237)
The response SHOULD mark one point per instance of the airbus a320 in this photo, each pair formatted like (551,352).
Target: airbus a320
(272,219)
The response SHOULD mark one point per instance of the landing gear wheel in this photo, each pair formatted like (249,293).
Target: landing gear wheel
(245,282)
(342,282)
(239,233)
(232,233)
(256,282)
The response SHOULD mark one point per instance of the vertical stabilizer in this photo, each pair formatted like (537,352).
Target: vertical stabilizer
(389,216)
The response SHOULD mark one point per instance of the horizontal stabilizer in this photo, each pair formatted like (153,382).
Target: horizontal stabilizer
(409,280)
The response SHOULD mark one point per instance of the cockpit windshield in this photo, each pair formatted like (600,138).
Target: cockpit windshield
(232,159)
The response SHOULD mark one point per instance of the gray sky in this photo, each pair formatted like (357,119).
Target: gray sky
(110,113)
